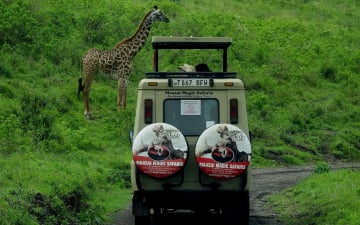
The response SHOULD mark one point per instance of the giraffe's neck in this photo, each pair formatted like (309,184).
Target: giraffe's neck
(137,41)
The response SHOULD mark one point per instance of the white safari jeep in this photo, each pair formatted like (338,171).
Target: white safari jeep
(190,143)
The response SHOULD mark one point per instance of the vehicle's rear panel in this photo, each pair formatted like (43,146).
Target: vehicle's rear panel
(191,147)
(190,178)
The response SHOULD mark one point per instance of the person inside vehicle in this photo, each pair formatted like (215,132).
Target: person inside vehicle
(202,67)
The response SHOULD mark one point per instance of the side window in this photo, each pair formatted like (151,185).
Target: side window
(191,116)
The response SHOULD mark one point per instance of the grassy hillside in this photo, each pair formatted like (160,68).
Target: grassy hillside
(300,62)
(321,199)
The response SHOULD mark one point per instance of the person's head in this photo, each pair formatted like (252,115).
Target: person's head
(202,67)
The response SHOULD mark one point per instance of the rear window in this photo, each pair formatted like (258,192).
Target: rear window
(191,116)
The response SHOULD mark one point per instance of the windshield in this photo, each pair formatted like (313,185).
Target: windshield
(191,116)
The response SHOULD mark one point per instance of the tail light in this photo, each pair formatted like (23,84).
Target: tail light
(148,111)
(234,116)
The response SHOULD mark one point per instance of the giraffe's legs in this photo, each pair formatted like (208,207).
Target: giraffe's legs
(87,112)
(121,101)
(87,84)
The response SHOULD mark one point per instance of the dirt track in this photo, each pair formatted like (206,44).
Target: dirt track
(264,182)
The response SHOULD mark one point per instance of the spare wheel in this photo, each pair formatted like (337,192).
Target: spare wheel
(223,151)
(160,150)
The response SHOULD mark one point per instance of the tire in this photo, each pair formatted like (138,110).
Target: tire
(142,220)
(239,215)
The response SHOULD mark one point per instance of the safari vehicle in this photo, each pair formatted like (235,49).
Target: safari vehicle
(190,143)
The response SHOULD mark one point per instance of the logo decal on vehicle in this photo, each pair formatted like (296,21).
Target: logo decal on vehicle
(223,151)
(160,150)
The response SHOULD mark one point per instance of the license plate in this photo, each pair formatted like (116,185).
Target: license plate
(190,82)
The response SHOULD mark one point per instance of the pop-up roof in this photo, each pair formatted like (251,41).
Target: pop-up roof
(191,42)
(221,43)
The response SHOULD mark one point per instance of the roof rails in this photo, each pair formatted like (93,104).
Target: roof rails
(221,43)
(191,74)
(190,42)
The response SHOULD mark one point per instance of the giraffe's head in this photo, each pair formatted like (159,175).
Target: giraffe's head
(157,15)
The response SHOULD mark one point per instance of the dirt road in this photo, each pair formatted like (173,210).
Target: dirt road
(264,183)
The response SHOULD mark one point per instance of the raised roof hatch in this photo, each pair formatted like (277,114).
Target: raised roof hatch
(220,43)
(191,42)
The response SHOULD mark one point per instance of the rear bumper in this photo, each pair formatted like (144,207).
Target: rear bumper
(188,200)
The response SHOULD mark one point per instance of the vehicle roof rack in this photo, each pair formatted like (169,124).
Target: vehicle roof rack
(221,43)
(191,74)
(191,42)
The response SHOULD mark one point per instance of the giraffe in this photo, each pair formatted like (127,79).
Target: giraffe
(116,62)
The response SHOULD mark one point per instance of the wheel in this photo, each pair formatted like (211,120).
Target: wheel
(157,217)
(142,220)
(239,215)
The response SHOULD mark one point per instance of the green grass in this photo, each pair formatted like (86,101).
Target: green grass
(299,61)
(323,198)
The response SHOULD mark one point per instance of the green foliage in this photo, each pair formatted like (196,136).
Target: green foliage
(9,130)
(36,208)
(16,22)
(120,174)
(300,62)
(17,202)
(322,167)
(37,119)
(323,198)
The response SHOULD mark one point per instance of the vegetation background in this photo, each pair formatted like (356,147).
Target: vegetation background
(299,59)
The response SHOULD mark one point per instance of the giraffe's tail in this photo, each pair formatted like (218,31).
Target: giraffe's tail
(80,88)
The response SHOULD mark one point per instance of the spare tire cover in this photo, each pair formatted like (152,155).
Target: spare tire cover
(160,150)
(223,151)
